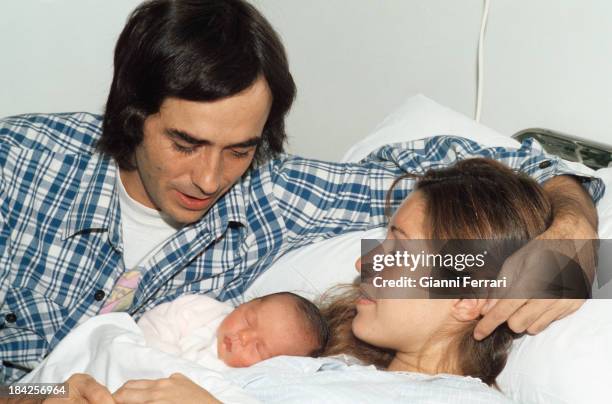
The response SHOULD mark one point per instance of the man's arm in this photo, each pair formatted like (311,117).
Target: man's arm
(571,202)
(294,201)
(575,218)
(319,198)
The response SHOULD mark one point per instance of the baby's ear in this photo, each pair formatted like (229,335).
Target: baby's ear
(467,309)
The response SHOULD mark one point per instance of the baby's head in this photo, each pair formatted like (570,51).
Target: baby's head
(277,324)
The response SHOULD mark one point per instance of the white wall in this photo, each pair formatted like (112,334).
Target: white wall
(548,62)
(57,55)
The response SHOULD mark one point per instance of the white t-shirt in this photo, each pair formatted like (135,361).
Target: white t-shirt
(144,232)
(144,229)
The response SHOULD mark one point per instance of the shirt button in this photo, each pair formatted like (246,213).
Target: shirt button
(545,164)
(10,318)
(99,295)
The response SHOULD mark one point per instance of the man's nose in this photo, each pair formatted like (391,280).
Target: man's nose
(208,173)
(358,265)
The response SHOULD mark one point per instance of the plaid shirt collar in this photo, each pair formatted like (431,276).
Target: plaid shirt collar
(96,206)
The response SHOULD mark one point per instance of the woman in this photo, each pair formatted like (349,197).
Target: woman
(475,199)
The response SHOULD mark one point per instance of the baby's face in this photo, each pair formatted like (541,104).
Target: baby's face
(261,329)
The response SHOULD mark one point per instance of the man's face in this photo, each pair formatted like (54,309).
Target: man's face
(193,152)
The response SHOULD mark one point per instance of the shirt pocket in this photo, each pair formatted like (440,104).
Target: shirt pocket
(36,316)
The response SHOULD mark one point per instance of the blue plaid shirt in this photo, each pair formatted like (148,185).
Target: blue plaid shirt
(61,249)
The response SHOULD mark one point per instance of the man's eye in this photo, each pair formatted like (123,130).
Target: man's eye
(241,154)
(183,149)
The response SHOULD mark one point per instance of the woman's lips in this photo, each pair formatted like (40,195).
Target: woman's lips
(193,203)
(364,299)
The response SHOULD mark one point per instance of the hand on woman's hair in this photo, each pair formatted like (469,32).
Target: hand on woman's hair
(535,315)
(525,315)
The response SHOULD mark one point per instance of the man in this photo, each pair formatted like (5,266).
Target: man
(182,188)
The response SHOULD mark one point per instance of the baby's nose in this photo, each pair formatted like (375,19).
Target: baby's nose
(246,336)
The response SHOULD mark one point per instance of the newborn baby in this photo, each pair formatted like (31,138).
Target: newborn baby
(216,335)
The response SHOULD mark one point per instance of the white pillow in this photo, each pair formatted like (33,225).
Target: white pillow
(310,271)
(570,362)
(420,117)
(604,206)
(604,211)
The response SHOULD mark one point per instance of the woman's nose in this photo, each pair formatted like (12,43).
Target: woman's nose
(358,265)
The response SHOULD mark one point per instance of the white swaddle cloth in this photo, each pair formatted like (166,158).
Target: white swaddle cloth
(187,327)
(112,349)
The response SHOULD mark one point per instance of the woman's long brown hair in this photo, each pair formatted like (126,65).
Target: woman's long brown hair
(474,199)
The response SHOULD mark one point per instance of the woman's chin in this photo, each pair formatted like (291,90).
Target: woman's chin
(360,327)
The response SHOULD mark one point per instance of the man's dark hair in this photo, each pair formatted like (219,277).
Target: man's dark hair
(197,50)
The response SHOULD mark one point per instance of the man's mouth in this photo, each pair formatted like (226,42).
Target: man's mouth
(193,203)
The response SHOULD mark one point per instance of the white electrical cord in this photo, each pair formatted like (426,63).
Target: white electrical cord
(480,80)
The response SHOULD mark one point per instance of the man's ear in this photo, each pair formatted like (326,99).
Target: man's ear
(467,309)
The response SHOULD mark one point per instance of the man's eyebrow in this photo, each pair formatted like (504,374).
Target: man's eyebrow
(186,137)
(254,141)
(395,229)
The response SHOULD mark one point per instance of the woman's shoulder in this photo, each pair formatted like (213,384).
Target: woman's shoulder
(344,380)
(447,388)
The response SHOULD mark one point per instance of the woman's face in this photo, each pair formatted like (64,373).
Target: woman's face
(401,324)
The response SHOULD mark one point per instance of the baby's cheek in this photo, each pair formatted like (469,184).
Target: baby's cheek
(227,326)
(241,359)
